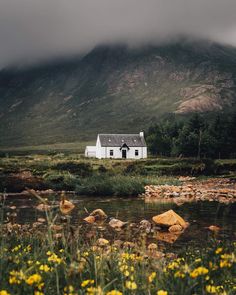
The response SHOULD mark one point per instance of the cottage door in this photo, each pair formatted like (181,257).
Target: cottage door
(124,154)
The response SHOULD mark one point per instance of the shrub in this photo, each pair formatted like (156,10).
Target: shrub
(61,181)
(110,186)
(136,168)
(81,169)
(102,169)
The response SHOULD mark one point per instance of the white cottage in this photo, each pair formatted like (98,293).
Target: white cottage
(117,146)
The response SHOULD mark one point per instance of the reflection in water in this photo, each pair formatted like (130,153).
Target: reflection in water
(200,215)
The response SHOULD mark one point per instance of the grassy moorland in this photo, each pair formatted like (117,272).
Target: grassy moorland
(54,256)
(68,171)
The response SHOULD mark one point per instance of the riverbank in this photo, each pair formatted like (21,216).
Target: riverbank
(221,190)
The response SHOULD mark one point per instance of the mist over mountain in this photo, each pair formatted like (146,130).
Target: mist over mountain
(114,88)
(39,30)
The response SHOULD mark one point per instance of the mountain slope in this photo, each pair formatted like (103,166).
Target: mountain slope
(114,89)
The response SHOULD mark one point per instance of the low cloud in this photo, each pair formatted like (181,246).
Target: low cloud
(32,30)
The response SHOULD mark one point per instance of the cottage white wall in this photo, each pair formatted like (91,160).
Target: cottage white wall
(144,152)
(90,151)
(104,152)
(98,149)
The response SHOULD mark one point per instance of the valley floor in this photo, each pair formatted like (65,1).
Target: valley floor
(72,172)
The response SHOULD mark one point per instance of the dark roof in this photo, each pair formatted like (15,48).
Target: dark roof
(117,140)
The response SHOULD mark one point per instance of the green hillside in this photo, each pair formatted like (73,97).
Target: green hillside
(114,89)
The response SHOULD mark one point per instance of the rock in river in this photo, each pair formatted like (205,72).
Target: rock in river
(117,224)
(66,207)
(175,228)
(99,214)
(90,219)
(168,219)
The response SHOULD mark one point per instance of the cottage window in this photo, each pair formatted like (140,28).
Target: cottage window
(136,152)
(111,153)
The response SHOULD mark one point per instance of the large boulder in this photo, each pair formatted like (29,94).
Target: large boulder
(168,219)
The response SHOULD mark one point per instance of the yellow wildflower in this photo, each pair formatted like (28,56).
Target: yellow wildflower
(198,272)
(162,292)
(86,283)
(218,250)
(34,279)
(226,256)
(173,265)
(17,248)
(131,285)
(54,258)
(215,289)
(69,290)
(179,274)
(16,277)
(38,293)
(114,292)
(44,267)
(4,292)
(227,260)
(27,249)
(123,268)
(151,277)
(94,291)
(225,263)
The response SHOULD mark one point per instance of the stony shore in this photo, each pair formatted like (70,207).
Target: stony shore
(217,189)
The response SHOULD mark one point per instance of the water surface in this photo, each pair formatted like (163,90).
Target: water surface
(200,215)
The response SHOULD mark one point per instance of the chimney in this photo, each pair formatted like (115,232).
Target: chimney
(141,133)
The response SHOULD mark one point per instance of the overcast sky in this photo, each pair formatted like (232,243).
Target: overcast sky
(31,30)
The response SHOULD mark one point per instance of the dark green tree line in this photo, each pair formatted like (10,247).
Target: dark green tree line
(197,136)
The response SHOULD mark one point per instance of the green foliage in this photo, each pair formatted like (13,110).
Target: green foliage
(197,136)
(102,169)
(110,186)
(136,168)
(107,177)
(60,181)
(40,264)
(81,169)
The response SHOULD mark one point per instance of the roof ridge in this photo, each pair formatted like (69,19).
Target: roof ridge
(118,134)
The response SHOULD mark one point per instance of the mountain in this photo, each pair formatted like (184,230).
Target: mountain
(114,89)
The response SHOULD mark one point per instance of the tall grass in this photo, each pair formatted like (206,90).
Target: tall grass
(43,264)
(110,186)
